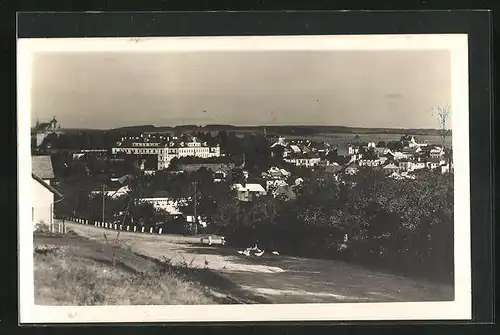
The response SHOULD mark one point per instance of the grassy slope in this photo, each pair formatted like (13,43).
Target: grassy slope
(252,280)
(73,275)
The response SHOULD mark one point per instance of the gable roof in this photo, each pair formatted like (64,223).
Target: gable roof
(41,166)
(47,186)
(390,166)
(275,144)
(249,188)
(111,185)
(284,172)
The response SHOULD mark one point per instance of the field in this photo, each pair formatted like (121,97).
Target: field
(343,138)
(221,275)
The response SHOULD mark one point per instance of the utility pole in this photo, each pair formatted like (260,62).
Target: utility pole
(195,215)
(103,200)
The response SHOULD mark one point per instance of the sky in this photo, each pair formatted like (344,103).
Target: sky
(389,89)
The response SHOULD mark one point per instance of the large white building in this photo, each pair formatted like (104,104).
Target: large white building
(167,149)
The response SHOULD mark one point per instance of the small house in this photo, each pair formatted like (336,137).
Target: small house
(397,155)
(298,181)
(247,192)
(405,165)
(433,163)
(277,173)
(369,162)
(380,152)
(395,175)
(351,170)
(273,184)
(220,176)
(44,195)
(436,152)
(114,190)
(390,168)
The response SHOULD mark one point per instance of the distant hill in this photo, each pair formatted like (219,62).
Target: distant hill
(187,127)
(282,130)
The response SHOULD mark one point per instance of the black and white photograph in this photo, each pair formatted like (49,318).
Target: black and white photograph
(244,178)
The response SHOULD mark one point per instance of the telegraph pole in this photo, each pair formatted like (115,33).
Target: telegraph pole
(103,201)
(195,216)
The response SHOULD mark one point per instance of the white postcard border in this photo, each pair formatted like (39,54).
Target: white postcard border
(460,308)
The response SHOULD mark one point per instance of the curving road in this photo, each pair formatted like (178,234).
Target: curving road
(276,279)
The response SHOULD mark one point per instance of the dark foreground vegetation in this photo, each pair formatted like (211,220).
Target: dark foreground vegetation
(404,226)
(401,225)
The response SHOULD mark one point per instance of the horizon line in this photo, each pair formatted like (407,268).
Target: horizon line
(252,126)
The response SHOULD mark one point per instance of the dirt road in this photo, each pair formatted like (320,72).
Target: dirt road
(277,279)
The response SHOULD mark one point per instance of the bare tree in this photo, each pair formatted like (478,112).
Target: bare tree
(443,113)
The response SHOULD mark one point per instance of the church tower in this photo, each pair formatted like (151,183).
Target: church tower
(53,123)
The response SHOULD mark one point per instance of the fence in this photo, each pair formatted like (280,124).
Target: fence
(114,226)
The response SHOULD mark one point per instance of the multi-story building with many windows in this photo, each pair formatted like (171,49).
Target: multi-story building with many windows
(167,149)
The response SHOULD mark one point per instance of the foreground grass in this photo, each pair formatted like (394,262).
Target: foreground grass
(63,278)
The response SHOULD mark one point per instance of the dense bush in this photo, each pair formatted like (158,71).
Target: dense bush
(407,225)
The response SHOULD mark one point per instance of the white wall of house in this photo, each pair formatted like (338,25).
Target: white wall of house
(169,205)
(114,194)
(42,204)
(369,162)
(307,162)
